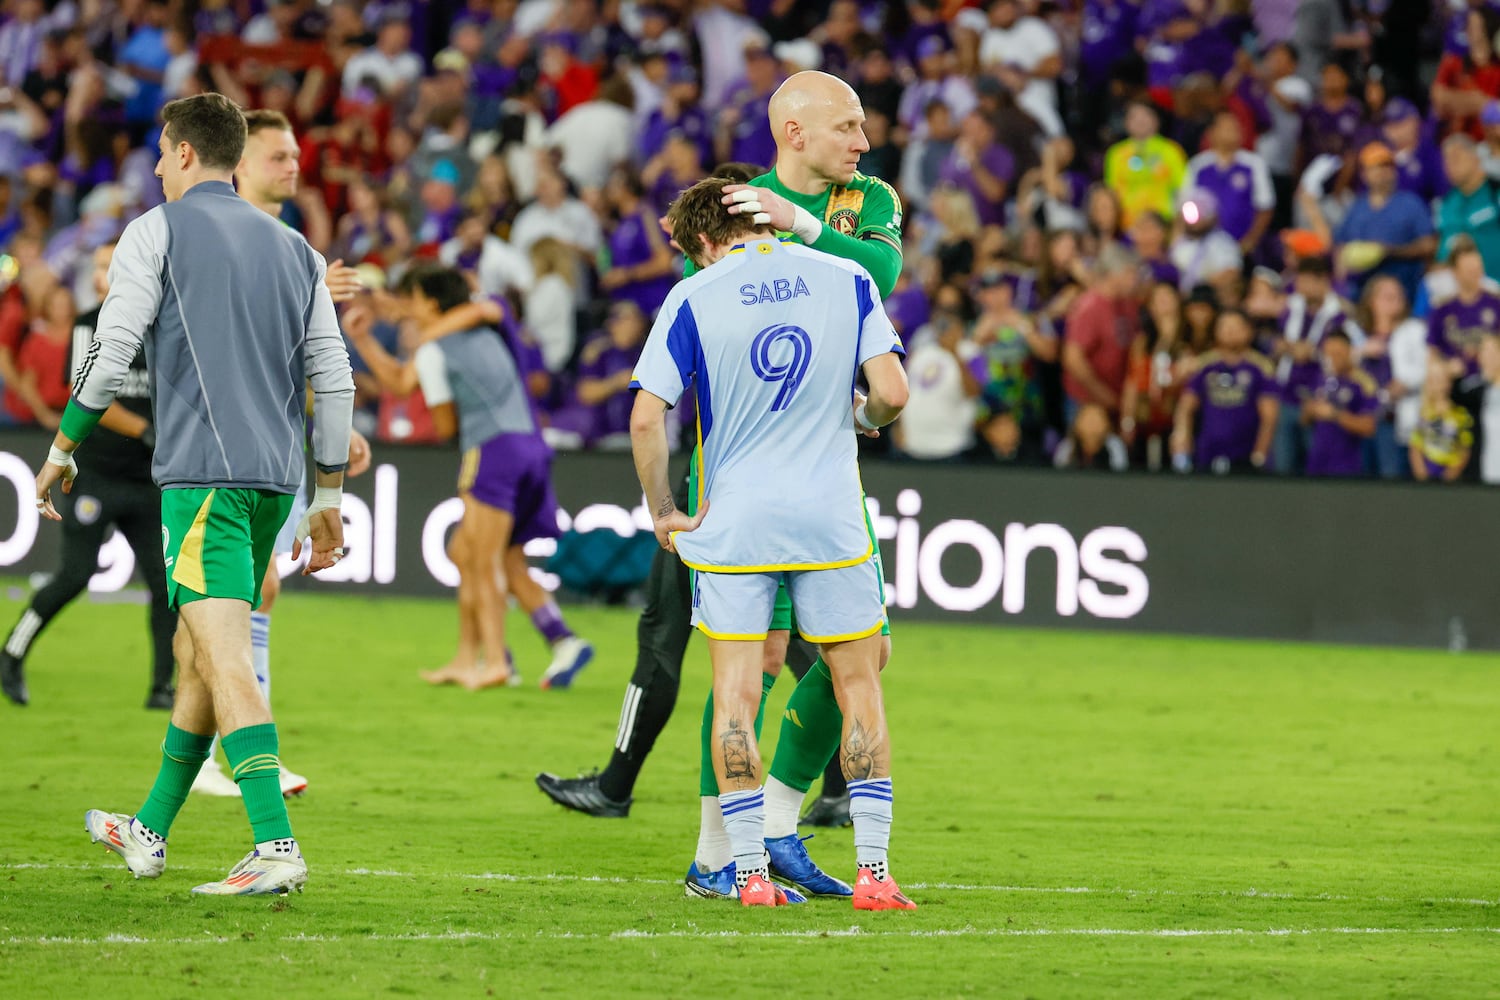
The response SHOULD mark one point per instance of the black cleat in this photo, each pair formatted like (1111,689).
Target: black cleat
(582,794)
(13,679)
(827,811)
(161,698)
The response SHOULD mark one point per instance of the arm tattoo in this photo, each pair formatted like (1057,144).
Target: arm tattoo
(861,751)
(736,745)
(665,508)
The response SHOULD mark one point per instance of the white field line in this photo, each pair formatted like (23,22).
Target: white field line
(849,932)
(1068,890)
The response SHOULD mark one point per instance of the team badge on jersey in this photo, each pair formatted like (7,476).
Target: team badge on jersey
(87,509)
(843,210)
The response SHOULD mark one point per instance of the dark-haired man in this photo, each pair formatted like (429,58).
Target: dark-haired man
(267,178)
(235,319)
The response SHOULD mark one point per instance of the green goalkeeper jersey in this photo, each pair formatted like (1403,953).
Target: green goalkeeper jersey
(861,222)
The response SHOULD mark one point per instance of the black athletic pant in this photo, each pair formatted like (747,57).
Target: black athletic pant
(95,505)
(661,637)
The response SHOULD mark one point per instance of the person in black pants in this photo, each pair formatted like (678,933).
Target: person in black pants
(661,643)
(117,492)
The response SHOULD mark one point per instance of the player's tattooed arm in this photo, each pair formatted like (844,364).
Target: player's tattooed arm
(739,764)
(864,752)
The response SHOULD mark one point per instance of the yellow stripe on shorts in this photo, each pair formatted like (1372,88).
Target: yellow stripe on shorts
(468,470)
(187,571)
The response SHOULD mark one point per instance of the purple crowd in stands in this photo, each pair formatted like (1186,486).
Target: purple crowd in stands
(1209,235)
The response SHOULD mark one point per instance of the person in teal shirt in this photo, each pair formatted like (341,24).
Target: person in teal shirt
(1471,206)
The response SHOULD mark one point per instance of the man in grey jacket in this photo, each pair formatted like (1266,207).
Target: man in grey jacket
(236,321)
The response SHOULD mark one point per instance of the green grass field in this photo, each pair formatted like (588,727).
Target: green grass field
(1078,816)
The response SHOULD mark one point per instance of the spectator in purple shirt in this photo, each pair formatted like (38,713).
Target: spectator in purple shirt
(677,168)
(1312,313)
(679,112)
(1419,158)
(642,269)
(1341,412)
(982,167)
(1457,327)
(1232,401)
(1238,179)
(604,370)
(744,126)
(1332,124)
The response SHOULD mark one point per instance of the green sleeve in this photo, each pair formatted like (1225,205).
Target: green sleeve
(78,421)
(876,254)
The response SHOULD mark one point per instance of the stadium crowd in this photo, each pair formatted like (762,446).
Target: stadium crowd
(1190,234)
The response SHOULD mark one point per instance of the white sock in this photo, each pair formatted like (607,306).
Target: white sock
(870,809)
(260,652)
(745,820)
(714,851)
(782,804)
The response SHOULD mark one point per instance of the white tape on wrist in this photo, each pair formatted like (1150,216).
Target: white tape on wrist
(805,225)
(64,459)
(863,419)
(324,498)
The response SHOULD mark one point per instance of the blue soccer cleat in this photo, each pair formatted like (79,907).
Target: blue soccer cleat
(720,885)
(791,865)
(569,657)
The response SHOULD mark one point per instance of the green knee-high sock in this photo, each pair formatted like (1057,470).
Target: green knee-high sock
(811,728)
(253,762)
(708,782)
(182,754)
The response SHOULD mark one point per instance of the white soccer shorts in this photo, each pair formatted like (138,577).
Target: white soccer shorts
(831,605)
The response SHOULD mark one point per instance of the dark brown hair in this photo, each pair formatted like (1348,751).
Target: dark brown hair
(700,211)
(212,124)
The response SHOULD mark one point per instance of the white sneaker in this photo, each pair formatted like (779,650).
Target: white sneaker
(569,657)
(145,858)
(292,783)
(213,781)
(260,875)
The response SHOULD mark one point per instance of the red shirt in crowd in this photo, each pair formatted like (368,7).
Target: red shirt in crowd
(1455,76)
(1103,328)
(47,359)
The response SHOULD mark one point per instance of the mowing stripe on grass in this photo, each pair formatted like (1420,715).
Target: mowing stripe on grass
(944,886)
(843,932)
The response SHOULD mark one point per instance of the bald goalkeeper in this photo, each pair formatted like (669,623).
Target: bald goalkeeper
(813,195)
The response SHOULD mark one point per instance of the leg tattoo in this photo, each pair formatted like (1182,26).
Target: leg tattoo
(735,741)
(861,752)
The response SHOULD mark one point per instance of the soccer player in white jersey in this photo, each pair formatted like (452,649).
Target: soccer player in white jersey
(267,178)
(773,337)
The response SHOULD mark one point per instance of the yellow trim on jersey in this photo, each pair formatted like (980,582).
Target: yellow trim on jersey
(852,636)
(187,570)
(729,637)
(781,568)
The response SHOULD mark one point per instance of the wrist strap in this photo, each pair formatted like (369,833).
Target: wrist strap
(327,498)
(56,456)
(863,419)
(806,226)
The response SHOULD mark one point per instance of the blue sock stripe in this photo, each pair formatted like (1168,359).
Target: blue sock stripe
(740,804)
(733,798)
(871,785)
(866,795)
(740,807)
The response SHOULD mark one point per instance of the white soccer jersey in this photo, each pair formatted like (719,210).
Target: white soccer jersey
(773,336)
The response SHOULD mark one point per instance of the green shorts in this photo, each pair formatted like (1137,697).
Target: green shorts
(219,542)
